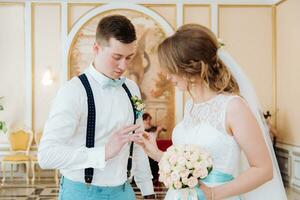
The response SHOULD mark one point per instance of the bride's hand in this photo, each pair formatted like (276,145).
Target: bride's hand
(148,142)
(206,190)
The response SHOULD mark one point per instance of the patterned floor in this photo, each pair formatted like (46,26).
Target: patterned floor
(45,190)
(48,190)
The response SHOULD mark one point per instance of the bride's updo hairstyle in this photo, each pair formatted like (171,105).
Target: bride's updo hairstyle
(192,53)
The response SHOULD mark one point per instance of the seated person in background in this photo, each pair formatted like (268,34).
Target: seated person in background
(272,130)
(149,127)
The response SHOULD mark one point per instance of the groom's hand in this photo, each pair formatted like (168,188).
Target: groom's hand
(118,139)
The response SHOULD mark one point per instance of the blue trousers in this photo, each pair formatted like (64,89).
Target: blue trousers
(70,190)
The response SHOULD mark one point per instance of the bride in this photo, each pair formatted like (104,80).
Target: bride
(222,117)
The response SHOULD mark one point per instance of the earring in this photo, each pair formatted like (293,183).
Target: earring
(192,80)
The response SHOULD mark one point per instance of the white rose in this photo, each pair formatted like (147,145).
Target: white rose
(178,168)
(140,107)
(177,185)
(205,163)
(210,162)
(181,161)
(187,155)
(162,177)
(162,164)
(185,181)
(175,176)
(168,182)
(191,148)
(166,168)
(173,159)
(197,173)
(184,173)
(204,155)
(198,165)
(180,149)
(189,165)
(165,156)
(194,157)
(203,173)
(192,182)
(134,97)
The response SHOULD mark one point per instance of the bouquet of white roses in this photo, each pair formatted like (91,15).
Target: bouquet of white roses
(182,166)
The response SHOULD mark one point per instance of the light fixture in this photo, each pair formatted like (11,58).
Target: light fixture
(48,77)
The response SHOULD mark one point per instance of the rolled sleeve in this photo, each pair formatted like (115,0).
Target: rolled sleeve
(142,171)
(146,187)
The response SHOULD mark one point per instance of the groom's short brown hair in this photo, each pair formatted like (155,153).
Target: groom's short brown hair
(115,26)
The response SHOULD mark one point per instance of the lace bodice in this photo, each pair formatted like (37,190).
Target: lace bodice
(204,124)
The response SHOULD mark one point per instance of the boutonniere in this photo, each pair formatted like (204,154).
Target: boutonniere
(139,106)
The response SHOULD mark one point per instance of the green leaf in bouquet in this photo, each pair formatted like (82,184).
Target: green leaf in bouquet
(209,169)
(3,126)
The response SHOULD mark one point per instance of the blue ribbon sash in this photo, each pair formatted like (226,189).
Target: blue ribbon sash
(214,177)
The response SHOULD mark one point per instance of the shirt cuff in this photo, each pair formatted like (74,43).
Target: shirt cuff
(96,157)
(146,188)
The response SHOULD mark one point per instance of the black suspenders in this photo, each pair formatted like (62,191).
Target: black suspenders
(91,124)
(129,163)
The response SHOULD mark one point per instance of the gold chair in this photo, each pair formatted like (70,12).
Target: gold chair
(34,160)
(20,142)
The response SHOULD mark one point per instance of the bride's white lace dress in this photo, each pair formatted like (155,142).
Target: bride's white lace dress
(203,124)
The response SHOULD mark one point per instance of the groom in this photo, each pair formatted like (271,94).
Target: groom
(89,128)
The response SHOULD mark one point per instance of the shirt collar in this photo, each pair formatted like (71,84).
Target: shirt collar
(103,80)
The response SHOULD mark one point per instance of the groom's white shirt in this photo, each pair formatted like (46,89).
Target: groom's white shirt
(63,142)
